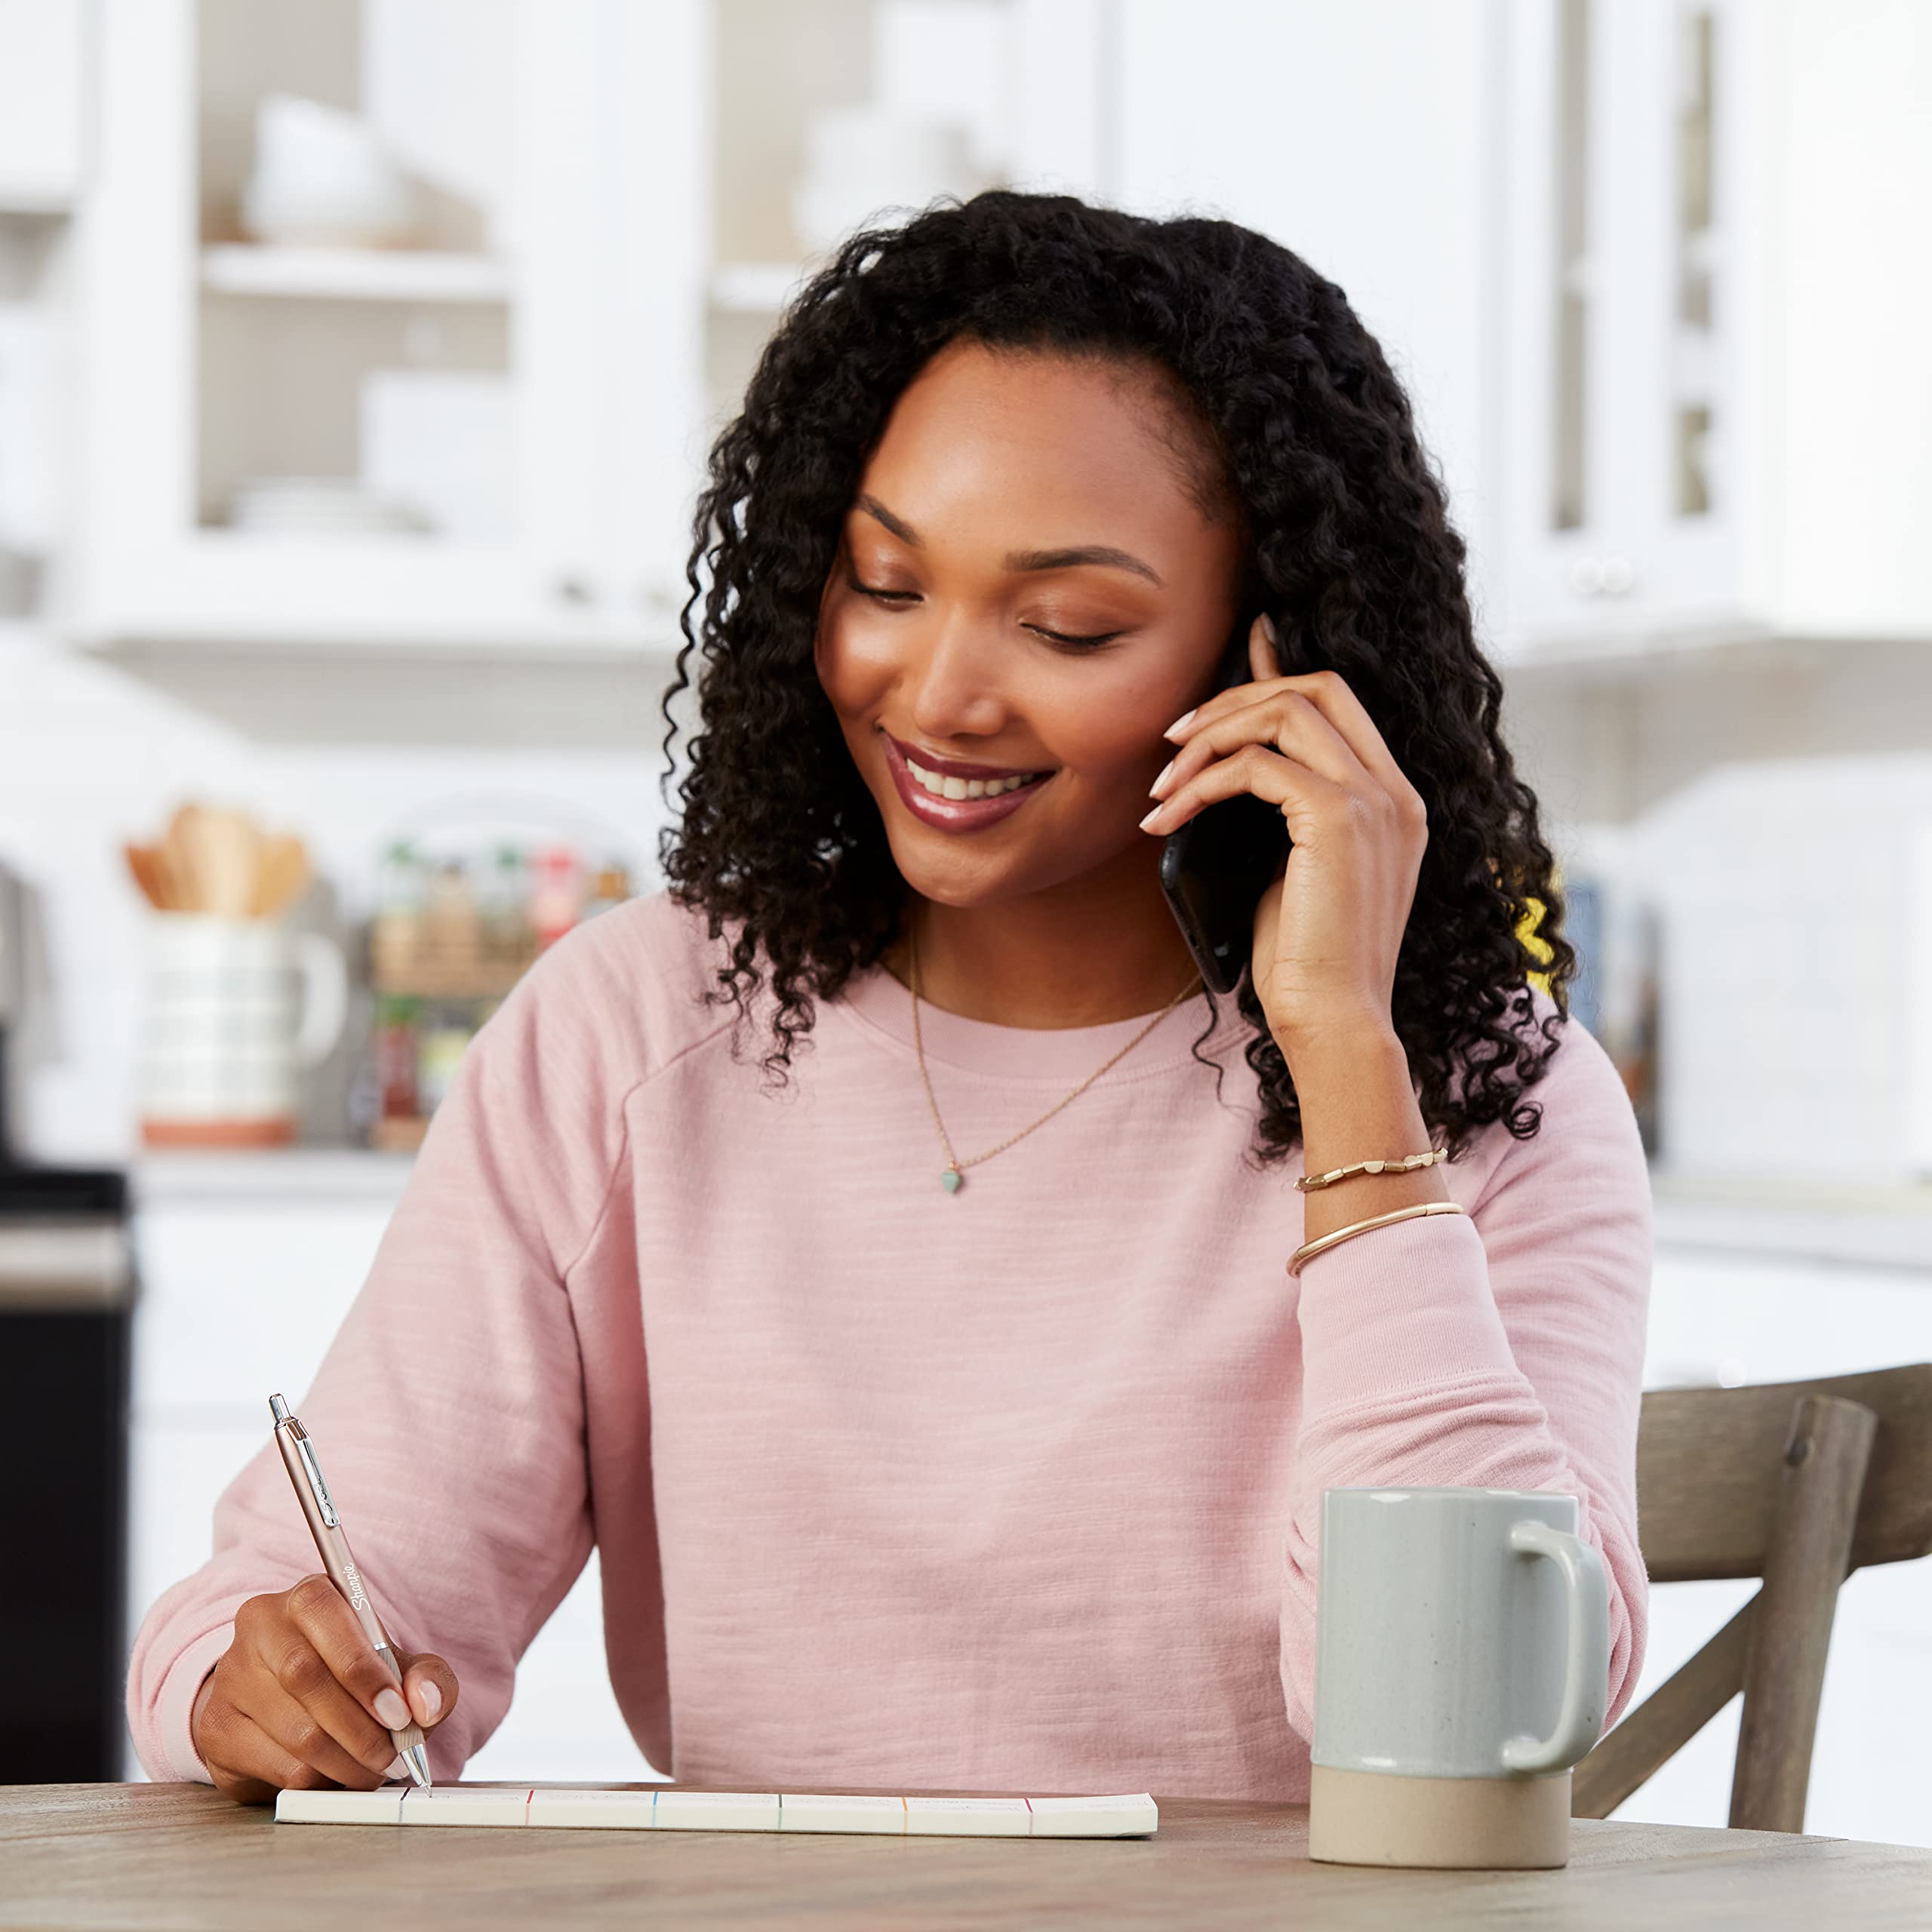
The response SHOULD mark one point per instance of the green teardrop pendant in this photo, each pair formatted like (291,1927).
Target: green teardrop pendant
(950,1180)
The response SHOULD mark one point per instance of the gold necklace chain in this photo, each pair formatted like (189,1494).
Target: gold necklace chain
(953,1179)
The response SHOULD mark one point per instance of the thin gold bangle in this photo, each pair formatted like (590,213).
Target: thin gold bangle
(1309,1249)
(1308,1183)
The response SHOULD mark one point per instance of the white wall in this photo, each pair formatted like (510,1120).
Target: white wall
(1788,976)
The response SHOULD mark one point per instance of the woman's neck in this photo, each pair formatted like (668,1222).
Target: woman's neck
(1044,966)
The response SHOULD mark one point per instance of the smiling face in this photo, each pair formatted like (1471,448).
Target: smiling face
(1027,581)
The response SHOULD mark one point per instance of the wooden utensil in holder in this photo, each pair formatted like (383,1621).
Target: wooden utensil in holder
(228,1037)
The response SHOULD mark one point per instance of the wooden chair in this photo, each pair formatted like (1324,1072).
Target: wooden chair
(1797,1483)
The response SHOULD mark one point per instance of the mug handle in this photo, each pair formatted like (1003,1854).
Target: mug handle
(325,997)
(1586,1681)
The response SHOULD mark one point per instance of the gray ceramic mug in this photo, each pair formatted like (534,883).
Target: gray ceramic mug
(1462,1667)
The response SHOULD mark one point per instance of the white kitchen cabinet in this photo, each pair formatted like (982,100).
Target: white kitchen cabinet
(473,382)
(42,87)
(564,1723)
(1710,294)
(177,1465)
(1419,153)
(44,49)
(247,1265)
(1718,1318)
(1647,267)
(1362,138)
(1621,315)
(611,237)
(1612,249)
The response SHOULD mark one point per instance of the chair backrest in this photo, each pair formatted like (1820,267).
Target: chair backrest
(1798,1483)
(1710,1468)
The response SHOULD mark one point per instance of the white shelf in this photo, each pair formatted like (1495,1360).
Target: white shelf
(1885,1227)
(516,692)
(355,275)
(34,204)
(570,635)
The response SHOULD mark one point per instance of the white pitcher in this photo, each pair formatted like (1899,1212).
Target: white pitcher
(237,1010)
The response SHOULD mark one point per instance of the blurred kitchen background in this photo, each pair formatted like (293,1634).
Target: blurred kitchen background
(357,363)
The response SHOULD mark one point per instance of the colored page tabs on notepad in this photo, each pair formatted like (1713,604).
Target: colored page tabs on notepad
(662,1808)
(592,1806)
(717,1811)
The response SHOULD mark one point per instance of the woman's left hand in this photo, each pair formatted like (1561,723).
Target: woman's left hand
(1327,930)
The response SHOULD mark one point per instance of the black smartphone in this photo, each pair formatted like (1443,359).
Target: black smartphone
(1215,869)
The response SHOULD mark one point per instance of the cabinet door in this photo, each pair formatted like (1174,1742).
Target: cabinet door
(239,1299)
(176,1471)
(40,102)
(1362,139)
(1623,128)
(653,251)
(474,379)
(564,1723)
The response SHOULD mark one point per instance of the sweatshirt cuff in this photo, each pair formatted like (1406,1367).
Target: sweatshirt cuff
(175,1704)
(1396,1308)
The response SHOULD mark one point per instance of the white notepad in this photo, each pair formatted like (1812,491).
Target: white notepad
(667,1808)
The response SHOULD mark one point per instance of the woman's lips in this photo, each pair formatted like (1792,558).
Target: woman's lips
(954,814)
(953,767)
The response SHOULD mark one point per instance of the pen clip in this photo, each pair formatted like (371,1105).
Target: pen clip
(297,1434)
(323,1500)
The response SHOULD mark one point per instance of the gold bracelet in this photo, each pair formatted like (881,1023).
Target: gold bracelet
(1309,1249)
(1309,1183)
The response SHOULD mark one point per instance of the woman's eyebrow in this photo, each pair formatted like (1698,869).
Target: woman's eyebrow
(1022,560)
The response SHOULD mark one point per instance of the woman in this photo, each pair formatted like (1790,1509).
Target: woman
(942,1406)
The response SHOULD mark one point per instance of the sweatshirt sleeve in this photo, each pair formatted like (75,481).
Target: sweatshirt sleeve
(448,1411)
(1500,1349)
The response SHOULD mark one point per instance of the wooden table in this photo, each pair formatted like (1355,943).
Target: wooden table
(156,1856)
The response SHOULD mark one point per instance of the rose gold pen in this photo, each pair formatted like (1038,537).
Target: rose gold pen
(298,1456)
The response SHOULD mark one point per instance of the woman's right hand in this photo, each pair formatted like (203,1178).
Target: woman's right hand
(300,1698)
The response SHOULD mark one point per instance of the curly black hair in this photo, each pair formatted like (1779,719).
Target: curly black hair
(1347,544)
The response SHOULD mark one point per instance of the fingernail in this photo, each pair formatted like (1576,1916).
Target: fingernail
(1268,627)
(391,1709)
(1166,772)
(431,1699)
(1179,724)
(1152,816)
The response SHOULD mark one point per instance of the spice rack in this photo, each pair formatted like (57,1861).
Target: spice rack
(452,937)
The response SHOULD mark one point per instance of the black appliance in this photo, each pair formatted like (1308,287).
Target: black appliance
(66,1295)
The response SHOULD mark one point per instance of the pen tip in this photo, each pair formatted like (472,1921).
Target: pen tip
(278,1408)
(418,1762)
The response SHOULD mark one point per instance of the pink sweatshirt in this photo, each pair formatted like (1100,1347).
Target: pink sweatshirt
(1018,1487)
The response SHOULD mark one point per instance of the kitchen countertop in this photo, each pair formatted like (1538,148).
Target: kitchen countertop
(298,1173)
(1881,1226)
(1872,1225)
